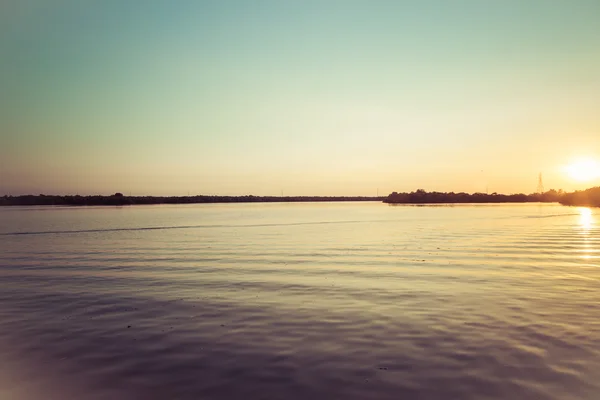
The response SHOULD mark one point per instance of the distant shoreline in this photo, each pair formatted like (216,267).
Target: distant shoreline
(423,197)
(121,200)
(588,198)
(583,198)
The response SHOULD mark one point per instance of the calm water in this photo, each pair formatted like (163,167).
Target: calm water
(297,301)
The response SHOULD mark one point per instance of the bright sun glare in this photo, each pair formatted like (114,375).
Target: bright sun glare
(584,170)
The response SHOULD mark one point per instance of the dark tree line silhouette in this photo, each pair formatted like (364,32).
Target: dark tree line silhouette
(423,197)
(589,197)
(118,199)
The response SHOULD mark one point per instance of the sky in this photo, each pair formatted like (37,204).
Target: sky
(311,97)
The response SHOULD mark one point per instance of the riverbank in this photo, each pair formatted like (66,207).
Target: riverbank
(583,198)
(587,198)
(119,199)
(423,197)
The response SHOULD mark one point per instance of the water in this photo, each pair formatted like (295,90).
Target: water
(296,301)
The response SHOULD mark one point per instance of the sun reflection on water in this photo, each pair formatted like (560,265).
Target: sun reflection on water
(586,219)
(586,222)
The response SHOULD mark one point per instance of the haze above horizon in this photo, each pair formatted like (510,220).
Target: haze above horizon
(309,98)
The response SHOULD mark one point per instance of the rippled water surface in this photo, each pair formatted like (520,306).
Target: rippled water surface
(300,301)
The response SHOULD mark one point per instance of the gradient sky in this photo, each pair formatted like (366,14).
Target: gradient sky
(327,97)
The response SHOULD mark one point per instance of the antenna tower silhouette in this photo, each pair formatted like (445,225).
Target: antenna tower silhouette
(540,186)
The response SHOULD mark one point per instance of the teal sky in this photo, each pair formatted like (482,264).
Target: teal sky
(326,97)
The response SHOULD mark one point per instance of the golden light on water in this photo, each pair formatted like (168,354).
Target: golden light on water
(586,219)
(584,170)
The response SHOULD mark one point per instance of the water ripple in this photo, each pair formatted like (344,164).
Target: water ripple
(435,303)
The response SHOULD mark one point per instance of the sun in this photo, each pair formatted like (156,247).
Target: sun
(584,170)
